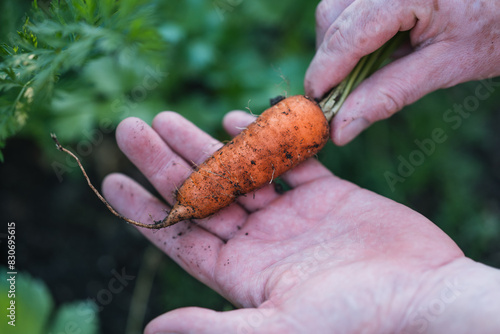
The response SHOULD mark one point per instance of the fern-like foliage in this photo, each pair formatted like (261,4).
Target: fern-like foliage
(57,63)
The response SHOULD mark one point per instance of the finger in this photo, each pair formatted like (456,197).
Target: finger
(308,171)
(391,88)
(236,121)
(166,170)
(185,138)
(154,158)
(192,247)
(327,12)
(362,28)
(204,321)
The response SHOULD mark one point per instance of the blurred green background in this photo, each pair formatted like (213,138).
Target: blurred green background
(97,63)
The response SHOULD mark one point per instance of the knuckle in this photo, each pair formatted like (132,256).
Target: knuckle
(391,101)
(322,14)
(335,40)
(342,37)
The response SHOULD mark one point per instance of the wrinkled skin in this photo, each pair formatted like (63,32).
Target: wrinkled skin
(324,257)
(451,42)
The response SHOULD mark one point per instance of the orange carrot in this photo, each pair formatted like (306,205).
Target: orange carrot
(284,135)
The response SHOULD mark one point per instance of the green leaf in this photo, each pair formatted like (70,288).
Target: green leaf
(33,303)
(34,306)
(78,317)
(55,54)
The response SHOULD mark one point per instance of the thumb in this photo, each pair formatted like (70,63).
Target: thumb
(203,321)
(363,27)
(396,85)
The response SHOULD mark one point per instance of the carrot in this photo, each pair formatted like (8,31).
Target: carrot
(282,137)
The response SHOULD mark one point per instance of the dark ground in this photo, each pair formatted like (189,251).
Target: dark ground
(66,237)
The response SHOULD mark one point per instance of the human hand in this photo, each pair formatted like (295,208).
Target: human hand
(324,257)
(452,42)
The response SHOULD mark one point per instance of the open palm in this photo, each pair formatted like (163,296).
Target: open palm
(326,256)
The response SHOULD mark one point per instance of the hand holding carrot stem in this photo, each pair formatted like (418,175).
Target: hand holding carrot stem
(283,136)
(451,42)
(324,257)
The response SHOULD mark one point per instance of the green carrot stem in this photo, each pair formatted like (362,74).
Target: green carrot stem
(368,64)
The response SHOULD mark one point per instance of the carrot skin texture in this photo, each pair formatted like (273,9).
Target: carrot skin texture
(285,135)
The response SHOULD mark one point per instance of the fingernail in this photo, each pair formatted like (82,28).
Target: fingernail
(351,130)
